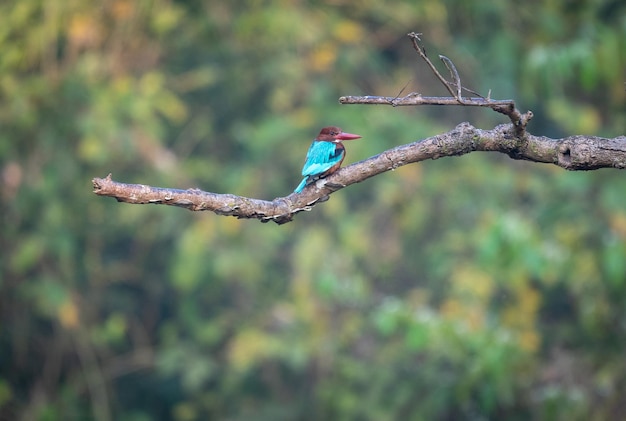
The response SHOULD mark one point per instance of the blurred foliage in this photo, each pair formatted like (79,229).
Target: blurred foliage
(466,288)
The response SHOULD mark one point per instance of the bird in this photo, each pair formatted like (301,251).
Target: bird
(325,155)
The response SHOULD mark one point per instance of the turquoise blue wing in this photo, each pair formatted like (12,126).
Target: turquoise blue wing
(321,157)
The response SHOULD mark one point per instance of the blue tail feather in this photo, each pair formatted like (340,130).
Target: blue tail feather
(301,185)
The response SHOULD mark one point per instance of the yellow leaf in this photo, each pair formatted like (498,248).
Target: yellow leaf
(323,57)
(248,347)
(348,32)
(618,223)
(68,314)
(84,31)
(151,83)
(529,340)
(577,118)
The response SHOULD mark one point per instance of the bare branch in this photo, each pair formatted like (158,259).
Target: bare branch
(571,153)
(414,98)
(506,107)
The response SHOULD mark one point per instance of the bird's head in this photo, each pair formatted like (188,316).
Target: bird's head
(335,134)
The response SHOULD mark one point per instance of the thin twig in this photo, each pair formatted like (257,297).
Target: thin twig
(455,89)
(422,52)
(456,79)
(403,88)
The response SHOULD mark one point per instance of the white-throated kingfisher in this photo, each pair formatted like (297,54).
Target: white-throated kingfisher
(325,155)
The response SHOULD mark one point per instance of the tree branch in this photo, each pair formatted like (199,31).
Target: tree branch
(455,87)
(571,153)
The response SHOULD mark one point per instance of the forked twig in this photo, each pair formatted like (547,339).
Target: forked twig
(454,87)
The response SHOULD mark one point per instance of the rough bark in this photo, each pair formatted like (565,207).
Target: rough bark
(572,153)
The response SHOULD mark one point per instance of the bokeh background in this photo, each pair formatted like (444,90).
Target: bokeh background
(474,288)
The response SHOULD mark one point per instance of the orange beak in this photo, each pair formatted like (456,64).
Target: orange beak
(347,136)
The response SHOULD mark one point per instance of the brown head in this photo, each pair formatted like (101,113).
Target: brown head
(335,134)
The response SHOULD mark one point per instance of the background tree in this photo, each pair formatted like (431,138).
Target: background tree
(459,288)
